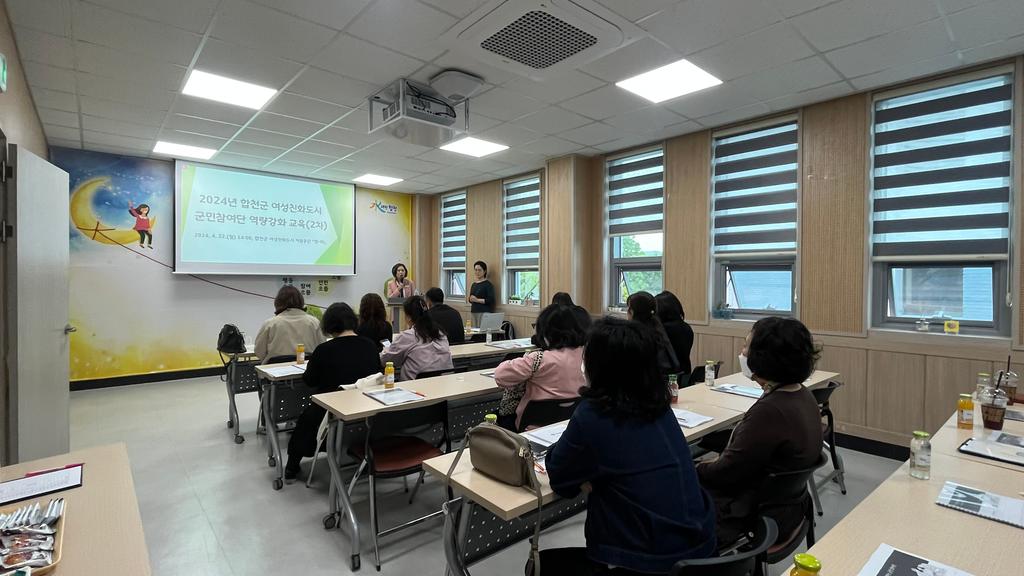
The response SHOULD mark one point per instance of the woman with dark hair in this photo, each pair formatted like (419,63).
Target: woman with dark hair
(780,433)
(581,314)
(643,308)
(345,358)
(399,286)
(481,293)
(289,327)
(623,445)
(680,335)
(422,347)
(373,320)
(548,373)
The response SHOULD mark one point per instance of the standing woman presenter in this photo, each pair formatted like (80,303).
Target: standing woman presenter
(481,293)
(399,286)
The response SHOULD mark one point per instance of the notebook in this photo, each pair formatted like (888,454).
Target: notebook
(289,370)
(981,503)
(393,396)
(748,391)
(689,419)
(889,561)
(547,435)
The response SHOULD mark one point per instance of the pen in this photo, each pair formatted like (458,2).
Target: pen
(38,472)
(420,394)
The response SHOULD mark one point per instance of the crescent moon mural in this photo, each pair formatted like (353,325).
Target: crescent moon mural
(89,224)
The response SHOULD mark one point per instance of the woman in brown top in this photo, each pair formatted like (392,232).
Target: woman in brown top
(781,432)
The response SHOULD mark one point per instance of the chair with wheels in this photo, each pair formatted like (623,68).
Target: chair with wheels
(697,375)
(784,489)
(742,562)
(241,378)
(828,429)
(442,372)
(539,413)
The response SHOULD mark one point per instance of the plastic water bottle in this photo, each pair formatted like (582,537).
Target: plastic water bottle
(673,387)
(921,456)
(709,373)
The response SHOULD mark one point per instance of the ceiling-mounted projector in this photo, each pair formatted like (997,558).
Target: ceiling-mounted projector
(417,113)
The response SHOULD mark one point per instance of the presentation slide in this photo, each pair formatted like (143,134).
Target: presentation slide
(231,221)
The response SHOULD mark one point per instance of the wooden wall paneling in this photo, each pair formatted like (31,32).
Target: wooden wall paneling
(945,378)
(687,187)
(583,223)
(557,229)
(595,250)
(426,241)
(833,212)
(849,403)
(719,348)
(484,232)
(895,391)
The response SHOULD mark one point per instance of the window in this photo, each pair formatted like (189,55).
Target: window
(635,206)
(754,214)
(453,243)
(522,239)
(941,189)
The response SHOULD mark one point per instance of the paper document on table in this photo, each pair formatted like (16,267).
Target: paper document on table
(512,344)
(393,396)
(981,503)
(689,419)
(748,391)
(1007,438)
(993,451)
(889,561)
(289,370)
(37,484)
(1015,415)
(547,435)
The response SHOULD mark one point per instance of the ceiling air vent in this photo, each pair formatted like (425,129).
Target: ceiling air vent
(540,38)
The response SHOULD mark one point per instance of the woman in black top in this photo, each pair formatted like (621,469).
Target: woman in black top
(579,312)
(345,358)
(680,335)
(643,308)
(373,320)
(481,293)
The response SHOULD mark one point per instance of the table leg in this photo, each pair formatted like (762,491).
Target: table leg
(274,459)
(340,505)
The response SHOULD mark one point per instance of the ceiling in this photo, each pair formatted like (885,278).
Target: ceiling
(106,74)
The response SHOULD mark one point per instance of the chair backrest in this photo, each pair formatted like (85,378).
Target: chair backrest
(697,375)
(243,376)
(785,488)
(544,412)
(822,394)
(513,356)
(742,563)
(441,372)
(420,422)
(508,330)
(280,359)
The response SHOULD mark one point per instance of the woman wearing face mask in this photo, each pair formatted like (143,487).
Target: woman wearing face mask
(781,432)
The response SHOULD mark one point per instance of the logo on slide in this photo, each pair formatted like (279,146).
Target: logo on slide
(384,208)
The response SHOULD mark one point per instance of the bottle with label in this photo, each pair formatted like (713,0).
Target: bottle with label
(921,456)
(984,381)
(965,412)
(673,387)
(389,375)
(300,353)
(709,373)
(805,565)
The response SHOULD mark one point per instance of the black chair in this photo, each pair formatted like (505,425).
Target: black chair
(828,430)
(743,562)
(395,448)
(442,372)
(784,489)
(697,375)
(543,412)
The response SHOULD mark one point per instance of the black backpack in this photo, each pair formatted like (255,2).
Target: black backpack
(230,340)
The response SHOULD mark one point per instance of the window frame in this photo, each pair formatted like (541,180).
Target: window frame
(635,264)
(510,271)
(719,293)
(512,282)
(448,273)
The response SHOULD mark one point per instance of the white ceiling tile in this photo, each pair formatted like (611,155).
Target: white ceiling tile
(269,31)
(592,134)
(444,157)
(330,87)
(509,134)
(51,17)
(460,61)
(553,146)
(310,109)
(193,15)
(121,111)
(243,64)
(457,8)
(641,56)
(634,10)
(58,117)
(64,142)
(552,120)
(285,124)
(358,120)
(113,63)
(504,104)
(432,179)
(735,115)
(63,132)
(711,101)
(140,145)
(123,90)
(191,106)
(905,72)
(698,24)
(766,48)
(458,172)
(812,96)
(952,6)
(623,143)
(395,147)
(605,102)
(479,123)
(987,23)
(566,85)
(238,160)
(673,130)
(191,139)
(308,158)
(789,8)
(267,138)
(416,164)
(108,126)
(201,126)
(55,99)
(921,42)
(45,48)
(109,28)
(787,79)
(994,50)
(522,159)
(851,21)
(347,137)
(335,174)
(325,148)
(350,56)
(45,76)
(332,13)
(292,168)
(411,28)
(250,149)
(645,119)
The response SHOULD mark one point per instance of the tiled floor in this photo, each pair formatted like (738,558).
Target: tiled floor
(209,509)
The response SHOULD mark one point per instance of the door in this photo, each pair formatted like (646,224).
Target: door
(36,306)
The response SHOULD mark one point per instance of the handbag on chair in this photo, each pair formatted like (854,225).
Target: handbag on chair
(511,397)
(506,457)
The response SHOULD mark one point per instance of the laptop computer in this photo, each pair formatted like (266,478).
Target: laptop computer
(491,321)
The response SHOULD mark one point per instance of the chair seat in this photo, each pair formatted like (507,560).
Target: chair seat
(397,454)
(782,544)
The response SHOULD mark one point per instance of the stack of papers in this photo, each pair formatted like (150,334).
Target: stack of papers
(748,391)
(889,561)
(393,396)
(547,435)
(689,419)
(981,503)
(289,370)
(511,344)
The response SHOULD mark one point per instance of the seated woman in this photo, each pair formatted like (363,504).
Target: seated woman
(623,445)
(554,370)
(680,335)
(581,314)
(643,308)
(373,320)
(422,347)
(289,327)
(781,432)
(345,358)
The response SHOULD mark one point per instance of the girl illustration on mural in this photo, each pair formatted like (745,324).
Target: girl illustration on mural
(142,224)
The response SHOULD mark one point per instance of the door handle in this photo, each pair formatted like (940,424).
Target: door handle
(68,329)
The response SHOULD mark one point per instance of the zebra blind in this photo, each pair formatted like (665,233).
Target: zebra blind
(522,223)
(453,231)
(941,174)
(636,193)
(755,190)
